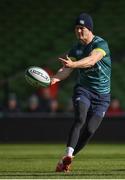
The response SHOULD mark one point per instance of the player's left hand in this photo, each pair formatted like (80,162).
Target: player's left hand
(67,62)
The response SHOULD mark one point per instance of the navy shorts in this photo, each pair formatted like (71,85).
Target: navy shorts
(97,103)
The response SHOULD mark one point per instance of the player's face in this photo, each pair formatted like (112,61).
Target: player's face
(82,33)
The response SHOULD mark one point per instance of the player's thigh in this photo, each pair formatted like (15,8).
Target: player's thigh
(81,102)
(80,112)
(96,113)
(81,106)
(100,105)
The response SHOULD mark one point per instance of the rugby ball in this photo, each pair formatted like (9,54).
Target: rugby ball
(37,77)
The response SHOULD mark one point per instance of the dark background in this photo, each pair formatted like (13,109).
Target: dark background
(37,33)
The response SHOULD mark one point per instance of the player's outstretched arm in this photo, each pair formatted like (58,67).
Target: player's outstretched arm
(62,74)
(91,60)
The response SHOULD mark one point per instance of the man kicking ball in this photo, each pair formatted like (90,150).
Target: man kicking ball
(90,56)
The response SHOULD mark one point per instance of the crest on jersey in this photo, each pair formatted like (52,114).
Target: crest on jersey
(79,52)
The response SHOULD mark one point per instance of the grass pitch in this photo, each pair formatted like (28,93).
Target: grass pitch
(38,161)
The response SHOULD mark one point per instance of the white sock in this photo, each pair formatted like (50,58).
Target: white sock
(69,151)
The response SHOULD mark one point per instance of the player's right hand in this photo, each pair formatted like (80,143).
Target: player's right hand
(54,80)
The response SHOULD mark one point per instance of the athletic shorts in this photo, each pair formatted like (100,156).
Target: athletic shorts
(97,103)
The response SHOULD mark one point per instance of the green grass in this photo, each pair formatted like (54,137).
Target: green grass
(37,161)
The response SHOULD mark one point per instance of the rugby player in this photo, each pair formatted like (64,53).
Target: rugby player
(90,56)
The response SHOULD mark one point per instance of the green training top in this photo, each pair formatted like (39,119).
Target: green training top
(96,78)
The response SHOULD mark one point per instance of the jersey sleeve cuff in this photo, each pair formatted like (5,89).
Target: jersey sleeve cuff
(99,49)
